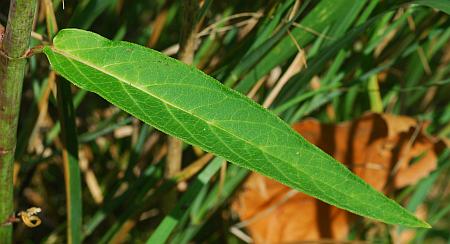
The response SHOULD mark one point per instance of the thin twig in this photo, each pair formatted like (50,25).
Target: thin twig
(294,68)
(213,27)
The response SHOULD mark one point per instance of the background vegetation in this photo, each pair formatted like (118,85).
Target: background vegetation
(331,60)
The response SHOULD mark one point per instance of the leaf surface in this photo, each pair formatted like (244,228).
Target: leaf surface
(184,102)
(443,5)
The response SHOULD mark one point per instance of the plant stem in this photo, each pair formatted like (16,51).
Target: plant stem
(12,68)
(376,103)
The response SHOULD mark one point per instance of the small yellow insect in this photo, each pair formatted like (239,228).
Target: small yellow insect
(29,217)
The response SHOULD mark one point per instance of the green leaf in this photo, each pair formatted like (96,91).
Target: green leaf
(443,5)
(184,102)
(166,227)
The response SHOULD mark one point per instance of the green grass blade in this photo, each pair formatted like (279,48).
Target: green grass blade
(135,203)
(72,174)
(184,102)
(112,125)
(323,15)
(216,198)
(443,5)
(373,90)
(166,227)
(134,193)
(147,180)
(425,186)
(438,209)
(254,56)
(70,160)
(85,14)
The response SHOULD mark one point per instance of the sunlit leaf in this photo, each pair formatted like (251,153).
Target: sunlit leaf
(184,102)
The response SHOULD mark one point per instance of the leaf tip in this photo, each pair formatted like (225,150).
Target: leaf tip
(425,225)
(420,224)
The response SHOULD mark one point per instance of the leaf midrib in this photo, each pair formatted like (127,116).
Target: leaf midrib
(209,123)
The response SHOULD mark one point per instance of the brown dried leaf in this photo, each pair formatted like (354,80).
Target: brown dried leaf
(387,151)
